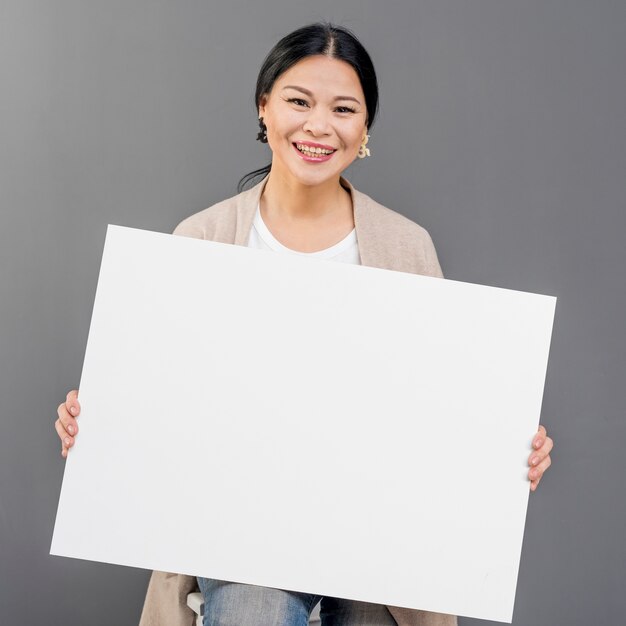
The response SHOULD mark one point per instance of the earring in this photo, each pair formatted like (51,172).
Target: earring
(262,136)
(363,151)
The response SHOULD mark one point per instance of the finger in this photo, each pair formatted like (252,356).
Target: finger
(536,457)
(540,437)
(66,440)
(64,452)
(71,402)
(536,473)
(68,422)
(534,484)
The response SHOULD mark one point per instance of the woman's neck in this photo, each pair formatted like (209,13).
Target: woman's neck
(288,200)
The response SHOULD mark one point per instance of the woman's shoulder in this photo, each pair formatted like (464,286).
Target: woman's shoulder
(390,221)
(217,222)
(399,242)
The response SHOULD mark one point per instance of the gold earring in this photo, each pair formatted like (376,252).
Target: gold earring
(363,151)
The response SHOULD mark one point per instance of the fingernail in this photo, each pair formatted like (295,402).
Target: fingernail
(67,441)
(70,430)
(535,460)
(537,443)
(73,410)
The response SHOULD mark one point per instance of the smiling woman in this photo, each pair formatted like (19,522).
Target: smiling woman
(303,109)
(317,98)
(313,139)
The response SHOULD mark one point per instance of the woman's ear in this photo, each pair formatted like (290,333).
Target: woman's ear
(262,103)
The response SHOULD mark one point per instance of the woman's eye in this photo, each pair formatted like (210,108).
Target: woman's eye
(303,103)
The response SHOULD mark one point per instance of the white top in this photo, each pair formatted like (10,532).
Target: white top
(345,251)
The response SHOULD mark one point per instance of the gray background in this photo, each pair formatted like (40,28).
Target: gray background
(502,131)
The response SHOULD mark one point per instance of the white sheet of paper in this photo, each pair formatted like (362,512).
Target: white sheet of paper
(306,425)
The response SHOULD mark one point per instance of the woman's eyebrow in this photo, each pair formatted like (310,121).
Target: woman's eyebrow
(308,93)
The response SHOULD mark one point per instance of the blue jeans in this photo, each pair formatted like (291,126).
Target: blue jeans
(236,604)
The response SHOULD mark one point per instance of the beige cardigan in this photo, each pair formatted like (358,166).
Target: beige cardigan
(386,240)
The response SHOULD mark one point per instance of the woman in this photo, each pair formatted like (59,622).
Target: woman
(317,99)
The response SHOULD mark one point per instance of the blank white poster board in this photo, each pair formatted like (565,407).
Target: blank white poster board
(306,425)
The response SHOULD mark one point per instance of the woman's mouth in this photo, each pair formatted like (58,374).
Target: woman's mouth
(314,155)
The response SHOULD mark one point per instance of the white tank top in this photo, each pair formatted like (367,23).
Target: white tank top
(344,251)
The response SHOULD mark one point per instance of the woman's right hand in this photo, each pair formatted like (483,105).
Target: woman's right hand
(66,425)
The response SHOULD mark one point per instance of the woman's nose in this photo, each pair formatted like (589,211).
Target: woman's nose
(317,122)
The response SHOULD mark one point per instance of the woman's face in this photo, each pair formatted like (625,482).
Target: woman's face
(318,102)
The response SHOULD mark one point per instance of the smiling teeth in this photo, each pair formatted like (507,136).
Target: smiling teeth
(312,150)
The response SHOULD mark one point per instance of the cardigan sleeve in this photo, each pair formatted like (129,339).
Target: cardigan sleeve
(412,617)
(165,603)
(187,228)
(433,268)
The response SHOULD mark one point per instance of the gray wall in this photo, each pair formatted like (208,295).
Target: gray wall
(502,131)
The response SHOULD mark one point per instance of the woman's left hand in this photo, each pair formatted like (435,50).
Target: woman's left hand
(539,460)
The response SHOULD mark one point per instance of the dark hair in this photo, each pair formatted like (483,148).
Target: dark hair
(324,38)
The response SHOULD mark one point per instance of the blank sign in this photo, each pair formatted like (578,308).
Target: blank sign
(304,424)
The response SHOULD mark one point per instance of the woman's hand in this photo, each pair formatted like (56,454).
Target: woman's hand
(539,460)
(66,426)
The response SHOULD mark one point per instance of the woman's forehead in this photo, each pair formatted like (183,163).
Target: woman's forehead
(323,74)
